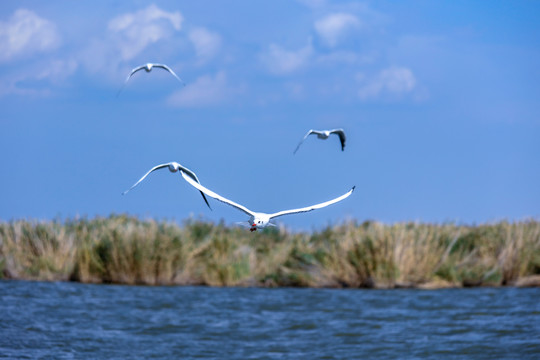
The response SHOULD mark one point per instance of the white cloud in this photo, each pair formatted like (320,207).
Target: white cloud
(334,27)
(281,61)
(393,80)
(112,52)
(26,33)
(398,80)
(57,70)
(345,58)
(10,87)
(206,43)
(206,90)
(135,31)
(295,90)
(35,79)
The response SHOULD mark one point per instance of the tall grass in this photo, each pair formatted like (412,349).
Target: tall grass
(124,249)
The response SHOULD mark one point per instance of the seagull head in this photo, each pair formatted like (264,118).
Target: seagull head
(325,134)
(259,221)
(148,67)
(174,166)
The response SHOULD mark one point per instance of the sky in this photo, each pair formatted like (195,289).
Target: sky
(439,101)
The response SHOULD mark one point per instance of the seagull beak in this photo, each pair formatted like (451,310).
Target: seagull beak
(254,224)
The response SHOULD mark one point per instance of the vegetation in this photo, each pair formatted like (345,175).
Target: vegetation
(123,249)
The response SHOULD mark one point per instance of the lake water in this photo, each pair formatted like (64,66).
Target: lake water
(77,321)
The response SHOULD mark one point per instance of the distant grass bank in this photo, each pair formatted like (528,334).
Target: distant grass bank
(126,250)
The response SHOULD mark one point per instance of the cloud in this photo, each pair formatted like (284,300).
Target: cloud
(206,90)
(295,90)
(393,80)
(281,61)
(334,27)
(345,58)
(112,52)
(26,33)
(35,79)
(206,43)
(135,31)
(58,70)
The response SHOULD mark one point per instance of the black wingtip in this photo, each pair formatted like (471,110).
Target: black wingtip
(205,200)
(354,187)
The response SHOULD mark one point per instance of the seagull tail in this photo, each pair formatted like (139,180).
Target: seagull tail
(243,223)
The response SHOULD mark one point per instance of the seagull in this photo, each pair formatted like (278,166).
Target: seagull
(324,134)
(260,220)
(173,167)
(148,67)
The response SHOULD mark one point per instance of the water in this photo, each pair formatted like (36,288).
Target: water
(78,321)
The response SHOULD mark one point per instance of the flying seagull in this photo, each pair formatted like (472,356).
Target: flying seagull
(148,67)
(173,167)
(324,134)
(260,220)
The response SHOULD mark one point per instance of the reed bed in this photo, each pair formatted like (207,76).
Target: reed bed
(126,250)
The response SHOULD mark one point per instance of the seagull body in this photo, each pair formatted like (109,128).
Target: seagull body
(173,167)
(260,220)
(148,67)
(325,134)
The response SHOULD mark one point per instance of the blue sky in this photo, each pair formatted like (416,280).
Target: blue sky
(440,102)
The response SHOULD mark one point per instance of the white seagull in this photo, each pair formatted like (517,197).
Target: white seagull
(324,134)
(260,220)
(148,67)
(173,167)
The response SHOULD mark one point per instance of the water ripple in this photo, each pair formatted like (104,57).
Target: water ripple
(78,321)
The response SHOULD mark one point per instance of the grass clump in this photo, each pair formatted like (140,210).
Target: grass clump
(127,250)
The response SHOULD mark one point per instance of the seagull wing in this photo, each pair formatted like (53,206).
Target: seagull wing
(192,175)
(305,136)
(134,71)
(145,175)
(163,66)
(214,195)
(341,135)
(313,207)
(129,77)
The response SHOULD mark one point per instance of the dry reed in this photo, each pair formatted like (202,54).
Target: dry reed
(124,249)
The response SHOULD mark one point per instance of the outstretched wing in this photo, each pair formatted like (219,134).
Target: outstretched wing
(129,77)
(313,207)
(186,170)
(163,66)
(214,195)
(145,175)
(341,135)
(301,141)
(192,175)
(134,71)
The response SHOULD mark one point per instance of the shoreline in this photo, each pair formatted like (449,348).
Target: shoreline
(531,281)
